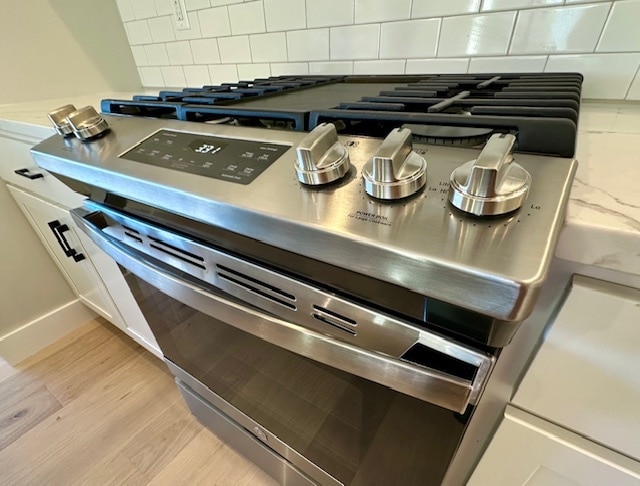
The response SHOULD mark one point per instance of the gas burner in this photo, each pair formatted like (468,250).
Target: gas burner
(448,135)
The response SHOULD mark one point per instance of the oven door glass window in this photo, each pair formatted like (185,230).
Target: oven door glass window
(357,431)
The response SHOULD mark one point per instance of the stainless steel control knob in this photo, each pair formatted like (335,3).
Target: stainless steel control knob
(87,123)
(492,184)
(58,118)
(395,170)
(321,158)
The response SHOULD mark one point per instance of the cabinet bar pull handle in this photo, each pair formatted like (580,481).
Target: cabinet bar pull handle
(58,229)
(25,173)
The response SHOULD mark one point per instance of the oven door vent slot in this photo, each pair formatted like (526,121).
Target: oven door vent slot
(334,319)
(175,252)
(133,236)
(257,287)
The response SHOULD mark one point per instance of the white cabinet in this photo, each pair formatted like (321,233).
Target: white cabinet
(93,275)
(575,418)
(57,232)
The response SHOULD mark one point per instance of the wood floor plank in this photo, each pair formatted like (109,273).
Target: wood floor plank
(206,460)
(24,403)
(100,411)
(155,445)
(72,369)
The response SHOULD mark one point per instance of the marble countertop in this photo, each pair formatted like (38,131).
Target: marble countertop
(603,219)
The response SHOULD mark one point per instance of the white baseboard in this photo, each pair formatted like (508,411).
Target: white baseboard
(43,331)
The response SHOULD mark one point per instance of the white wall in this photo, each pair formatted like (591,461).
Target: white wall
(56,48)
(235,39)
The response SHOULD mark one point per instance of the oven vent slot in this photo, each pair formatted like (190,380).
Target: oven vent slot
(133,237)
(132,233)
(334,319)
(176,252)
(257,287)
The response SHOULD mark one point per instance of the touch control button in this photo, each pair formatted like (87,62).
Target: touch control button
(321,158)
(396,170)
(492,184)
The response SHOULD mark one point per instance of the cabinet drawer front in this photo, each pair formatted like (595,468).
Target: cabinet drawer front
(585,376)
(15,156)
(529,451)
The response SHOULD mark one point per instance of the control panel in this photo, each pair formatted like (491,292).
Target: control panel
(229,159)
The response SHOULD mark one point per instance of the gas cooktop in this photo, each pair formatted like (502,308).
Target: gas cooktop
(540,109)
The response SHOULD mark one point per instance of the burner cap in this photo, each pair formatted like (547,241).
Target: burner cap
(448,135)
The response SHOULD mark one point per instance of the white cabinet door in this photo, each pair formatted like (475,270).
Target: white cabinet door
(94,276)
(58,233)
(529,451)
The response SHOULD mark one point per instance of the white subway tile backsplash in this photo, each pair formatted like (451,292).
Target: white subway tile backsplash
(196,4)
(234,49)
(179,53)
(162,29)
(354,42)
(268,47)
(157,54)
(284,68)
(173,76)
(368,11)
(557,30)
(329,13)
(343,67)
(144,9)
(621,31)
(440,8)
(516,4)
(409,39)
(253,71)
(247,18)
(205,51)
(482,35)
(194,28)
(511,64)
(214,22)
(285,15)
(151,76)
(232,39)
(308,45)
(138,32)
(139,56)
(197,76)
(436,66)
(126,10)
(606,76)
(223,73)
(164,7)
(379,67)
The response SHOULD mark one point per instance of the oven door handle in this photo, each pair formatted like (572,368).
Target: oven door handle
(427,384)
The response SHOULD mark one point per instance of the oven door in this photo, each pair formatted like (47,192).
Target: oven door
(337,413)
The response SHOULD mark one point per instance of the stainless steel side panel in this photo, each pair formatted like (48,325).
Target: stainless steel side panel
(427,384)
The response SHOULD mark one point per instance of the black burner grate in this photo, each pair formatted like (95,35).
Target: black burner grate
(541,109)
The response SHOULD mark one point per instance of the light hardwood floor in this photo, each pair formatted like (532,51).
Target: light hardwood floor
(97,409)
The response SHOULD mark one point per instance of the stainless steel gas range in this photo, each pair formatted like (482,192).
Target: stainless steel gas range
(333,267)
